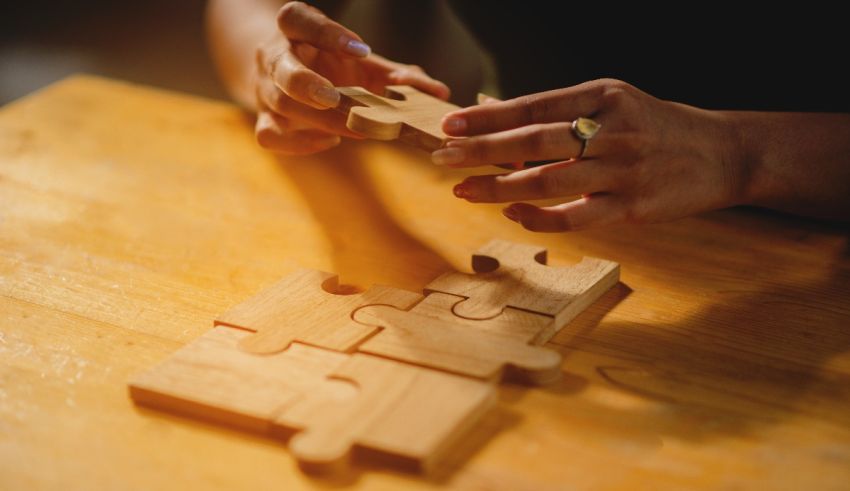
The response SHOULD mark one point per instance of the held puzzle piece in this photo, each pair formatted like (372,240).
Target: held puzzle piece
(386,372)
(405,114)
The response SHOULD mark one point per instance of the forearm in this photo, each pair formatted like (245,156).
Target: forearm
(234,30)
(795,162)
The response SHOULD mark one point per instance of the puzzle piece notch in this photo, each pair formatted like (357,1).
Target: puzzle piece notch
(516,275)
(403,410)
(405,114)
(439,339)
(301,308)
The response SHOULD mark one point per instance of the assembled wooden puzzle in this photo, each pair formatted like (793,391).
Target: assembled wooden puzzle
(384,372)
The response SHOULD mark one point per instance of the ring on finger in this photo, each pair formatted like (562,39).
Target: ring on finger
(584,129)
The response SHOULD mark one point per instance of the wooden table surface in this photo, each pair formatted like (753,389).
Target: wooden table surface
(130,217)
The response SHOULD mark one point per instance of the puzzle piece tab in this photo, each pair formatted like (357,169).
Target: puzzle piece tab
(300,308)
(438,339)
(405,114)
(401,410)
(515,275)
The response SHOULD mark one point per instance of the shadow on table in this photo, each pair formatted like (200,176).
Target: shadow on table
(368,245)
(753,358)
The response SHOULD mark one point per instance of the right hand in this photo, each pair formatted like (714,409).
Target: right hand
(296,73)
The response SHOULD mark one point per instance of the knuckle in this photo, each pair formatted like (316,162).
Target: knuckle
(548,184)
(328,34)
(616,93)
(636,211)
(536,140)
(537,109)
(296,81)
(566,222)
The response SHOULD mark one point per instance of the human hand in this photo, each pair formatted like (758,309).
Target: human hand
(296,73)
(652,160)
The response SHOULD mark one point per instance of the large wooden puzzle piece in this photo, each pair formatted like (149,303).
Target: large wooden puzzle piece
(405,114)
(401,410)
(212,379)
(303,307)
(335,403)
(436,338)
(516,275)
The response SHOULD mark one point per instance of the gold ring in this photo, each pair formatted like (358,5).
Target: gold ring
(584,129)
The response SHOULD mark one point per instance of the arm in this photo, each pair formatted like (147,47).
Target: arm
(796,162)
(651,161)
(235,28)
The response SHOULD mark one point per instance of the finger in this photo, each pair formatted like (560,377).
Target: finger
(272,134)
(421,81)
(385,72)
(483,98)
(554,141)
(544,107)
(276,101)
(301,22)
(594,210)
(297,81)
(549,181)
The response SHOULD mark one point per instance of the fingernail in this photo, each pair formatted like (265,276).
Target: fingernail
(463,191)
(454,125)
(485,99)
(448,156)
(511,214)
(325,96)
(355,47)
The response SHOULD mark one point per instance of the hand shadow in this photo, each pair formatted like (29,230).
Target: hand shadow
(368,246)
(765,349)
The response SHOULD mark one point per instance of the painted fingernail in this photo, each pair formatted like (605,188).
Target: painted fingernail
(511,214)
(448,156)
(454,125)
(355,47)
(485,99)
(463,191)
(325,96)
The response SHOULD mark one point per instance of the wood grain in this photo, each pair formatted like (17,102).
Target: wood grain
(130,217)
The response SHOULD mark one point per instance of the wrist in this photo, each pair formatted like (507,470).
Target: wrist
(738,157)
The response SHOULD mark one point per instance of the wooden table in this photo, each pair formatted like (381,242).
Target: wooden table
(130,217)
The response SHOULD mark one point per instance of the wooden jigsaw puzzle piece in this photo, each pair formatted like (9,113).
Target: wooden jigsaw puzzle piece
(439,339)
(301,307)
(400,410)
(525,327)
(405,114)
(516,275)
(211,379)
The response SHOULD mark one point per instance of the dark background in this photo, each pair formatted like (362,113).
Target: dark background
(162,43)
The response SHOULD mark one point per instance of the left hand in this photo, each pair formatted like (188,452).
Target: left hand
(652,160)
